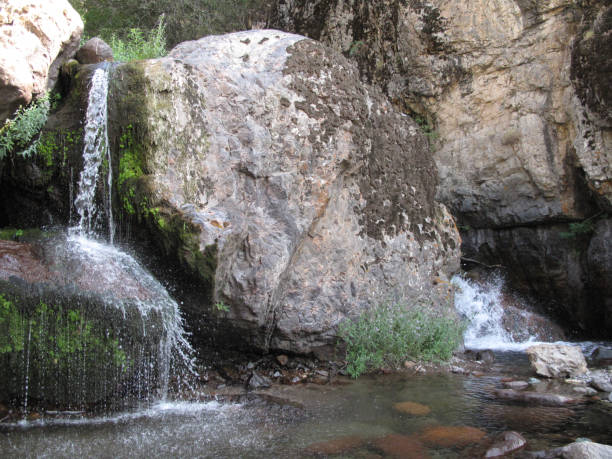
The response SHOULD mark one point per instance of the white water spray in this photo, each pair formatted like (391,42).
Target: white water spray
(95,151)
(482,306)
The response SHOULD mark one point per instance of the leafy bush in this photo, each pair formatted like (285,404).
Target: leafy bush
(140,45)
(389,334)
(20,133)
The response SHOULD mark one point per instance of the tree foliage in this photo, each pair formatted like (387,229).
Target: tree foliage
(185,19)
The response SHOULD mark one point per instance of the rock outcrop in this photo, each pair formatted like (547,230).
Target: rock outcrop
(513,95)
(94,51)
(36,38)
(294,195)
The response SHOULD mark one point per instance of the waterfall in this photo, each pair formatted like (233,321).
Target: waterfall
(95,152)
(103,331)
(490,325)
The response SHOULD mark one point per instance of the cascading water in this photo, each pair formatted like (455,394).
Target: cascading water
(95,152)
(100,332)
(147,296)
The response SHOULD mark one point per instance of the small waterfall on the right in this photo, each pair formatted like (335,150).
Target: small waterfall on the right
(495,324)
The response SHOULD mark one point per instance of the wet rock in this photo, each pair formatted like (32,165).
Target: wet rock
(94,50)
(601,380)
(540,398)
(335,446)
(533,381)
(602,356)
(257,381)
(412,408)
(585,390)
(36,38)
(557,360)
(508,442)
(283,185)
(451,436)
(517,385)
(282,359)
(577,450)
(401,446)
(486,355)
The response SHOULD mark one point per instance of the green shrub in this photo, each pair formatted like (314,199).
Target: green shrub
(140,45)
(20,133)
(390,333)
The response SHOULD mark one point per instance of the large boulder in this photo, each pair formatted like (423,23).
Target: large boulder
(94,51)
(292,193)
(36,38)
(516,94)
(557,360)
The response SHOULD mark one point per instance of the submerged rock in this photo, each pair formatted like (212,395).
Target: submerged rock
(451,436)
(396,445)
(336,446)
(557,360)
(540,398)
(291,192)
(577,450)
(36,38)
(413,408)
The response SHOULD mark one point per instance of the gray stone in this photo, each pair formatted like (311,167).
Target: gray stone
(585,390)
(586,450)
(518,385)
(36,38)
(557,360)
(294,193)
(257,381)
(95,50)
(507,443)
(601,380)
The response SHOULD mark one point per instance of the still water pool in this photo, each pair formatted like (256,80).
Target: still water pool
(361,414)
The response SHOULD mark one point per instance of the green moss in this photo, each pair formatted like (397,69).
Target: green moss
(56,336)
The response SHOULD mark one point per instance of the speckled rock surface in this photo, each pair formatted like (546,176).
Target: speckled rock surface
(295,194)
(36,38)
(514,95)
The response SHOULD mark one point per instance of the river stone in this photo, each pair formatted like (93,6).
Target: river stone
(412,408)
(36,38)
(556,360)
(396,445)
(601,380)
(257,381)
(578,450)
(335,446)
(517,385)
(451,436)
(292,192)
(93,51)
(540,398)
(508,442)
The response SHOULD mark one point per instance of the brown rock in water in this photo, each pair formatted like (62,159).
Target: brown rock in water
(508,442)
(527,418)
(401,446)
(95,50)
(540,398)
(557,360)
(36,38)
(450,436)
(335,446)
(413,408)
(282,359)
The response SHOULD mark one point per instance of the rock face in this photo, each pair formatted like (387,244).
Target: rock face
(295,195)
(516,93)
(557,360)
(95,50)
(36,38)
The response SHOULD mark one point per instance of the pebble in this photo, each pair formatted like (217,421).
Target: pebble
(534,381)
(518,385)
(282,359)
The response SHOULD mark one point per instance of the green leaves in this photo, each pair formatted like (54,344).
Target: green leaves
(388,334)
(140,45)
(19,134)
